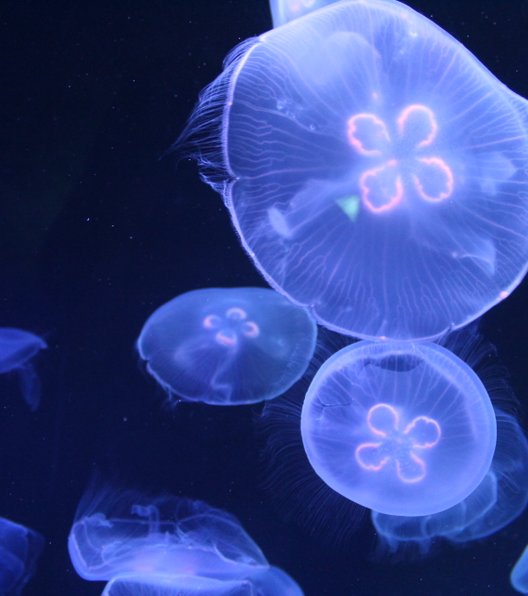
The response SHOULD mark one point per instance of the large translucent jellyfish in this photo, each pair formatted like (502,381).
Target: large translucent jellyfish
(283,11)
(519,574)
(20,548)
(401,428)
(228,346)
(17,349)
(497,501)
(136,539)
(375,170)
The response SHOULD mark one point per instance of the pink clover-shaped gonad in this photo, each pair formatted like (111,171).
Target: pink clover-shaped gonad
(400,446)
(382,186)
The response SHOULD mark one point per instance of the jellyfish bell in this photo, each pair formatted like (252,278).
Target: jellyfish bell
(374,169)
(228,346)
(401,428)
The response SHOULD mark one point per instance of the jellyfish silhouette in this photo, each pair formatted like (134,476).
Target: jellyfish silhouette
(373,168)
(519,574)
(17,349)
(20,548)
(138,540)
(499,499)
(283,11)
(228,346)
(399,427)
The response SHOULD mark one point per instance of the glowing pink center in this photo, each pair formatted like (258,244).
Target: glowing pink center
(382,186)
(230,326)
(399,446)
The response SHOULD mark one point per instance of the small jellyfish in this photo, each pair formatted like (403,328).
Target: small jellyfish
(20,548)
(228,346)
(519,574)
(401,428)
(155,543)
(497,501)
(17,349)
(374,169)
(283,11)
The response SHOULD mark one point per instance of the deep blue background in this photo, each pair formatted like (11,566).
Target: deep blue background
(96,231)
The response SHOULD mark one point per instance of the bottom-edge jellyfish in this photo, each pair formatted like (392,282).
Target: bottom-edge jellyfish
(20,548)
(402,428)
(175,585)
(17,349)
(129,537)
(497,501)
(519,573)
(269,581)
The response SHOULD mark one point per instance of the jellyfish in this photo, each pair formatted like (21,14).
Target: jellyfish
(135,539)
(269,582)
(139,585)
(20,548)
(17,349)
(402,428)
(283,11)
(499,499)
(374,169)
(228,346)
(519,574)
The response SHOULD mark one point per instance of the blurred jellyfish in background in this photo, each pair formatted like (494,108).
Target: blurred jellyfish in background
(228,346)
(20,548)
(374,169)
(519,574)
(17,350)
(499,499)
(402,428)
(283,11)
(135,539)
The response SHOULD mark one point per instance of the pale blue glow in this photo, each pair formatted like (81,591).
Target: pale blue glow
(150,544)
(374,169)
(402,428)
(17,349)
(228,346)
(499,499)
(20,548)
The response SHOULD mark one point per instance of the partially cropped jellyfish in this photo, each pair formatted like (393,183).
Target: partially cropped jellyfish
(399,427)
(375,171)
(497,501)
(284,11)
(130,539)
(519,574)
(228,346)
(17,350)
(269,582)
(20,548)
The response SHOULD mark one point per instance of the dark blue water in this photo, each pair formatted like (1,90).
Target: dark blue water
(96,231)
